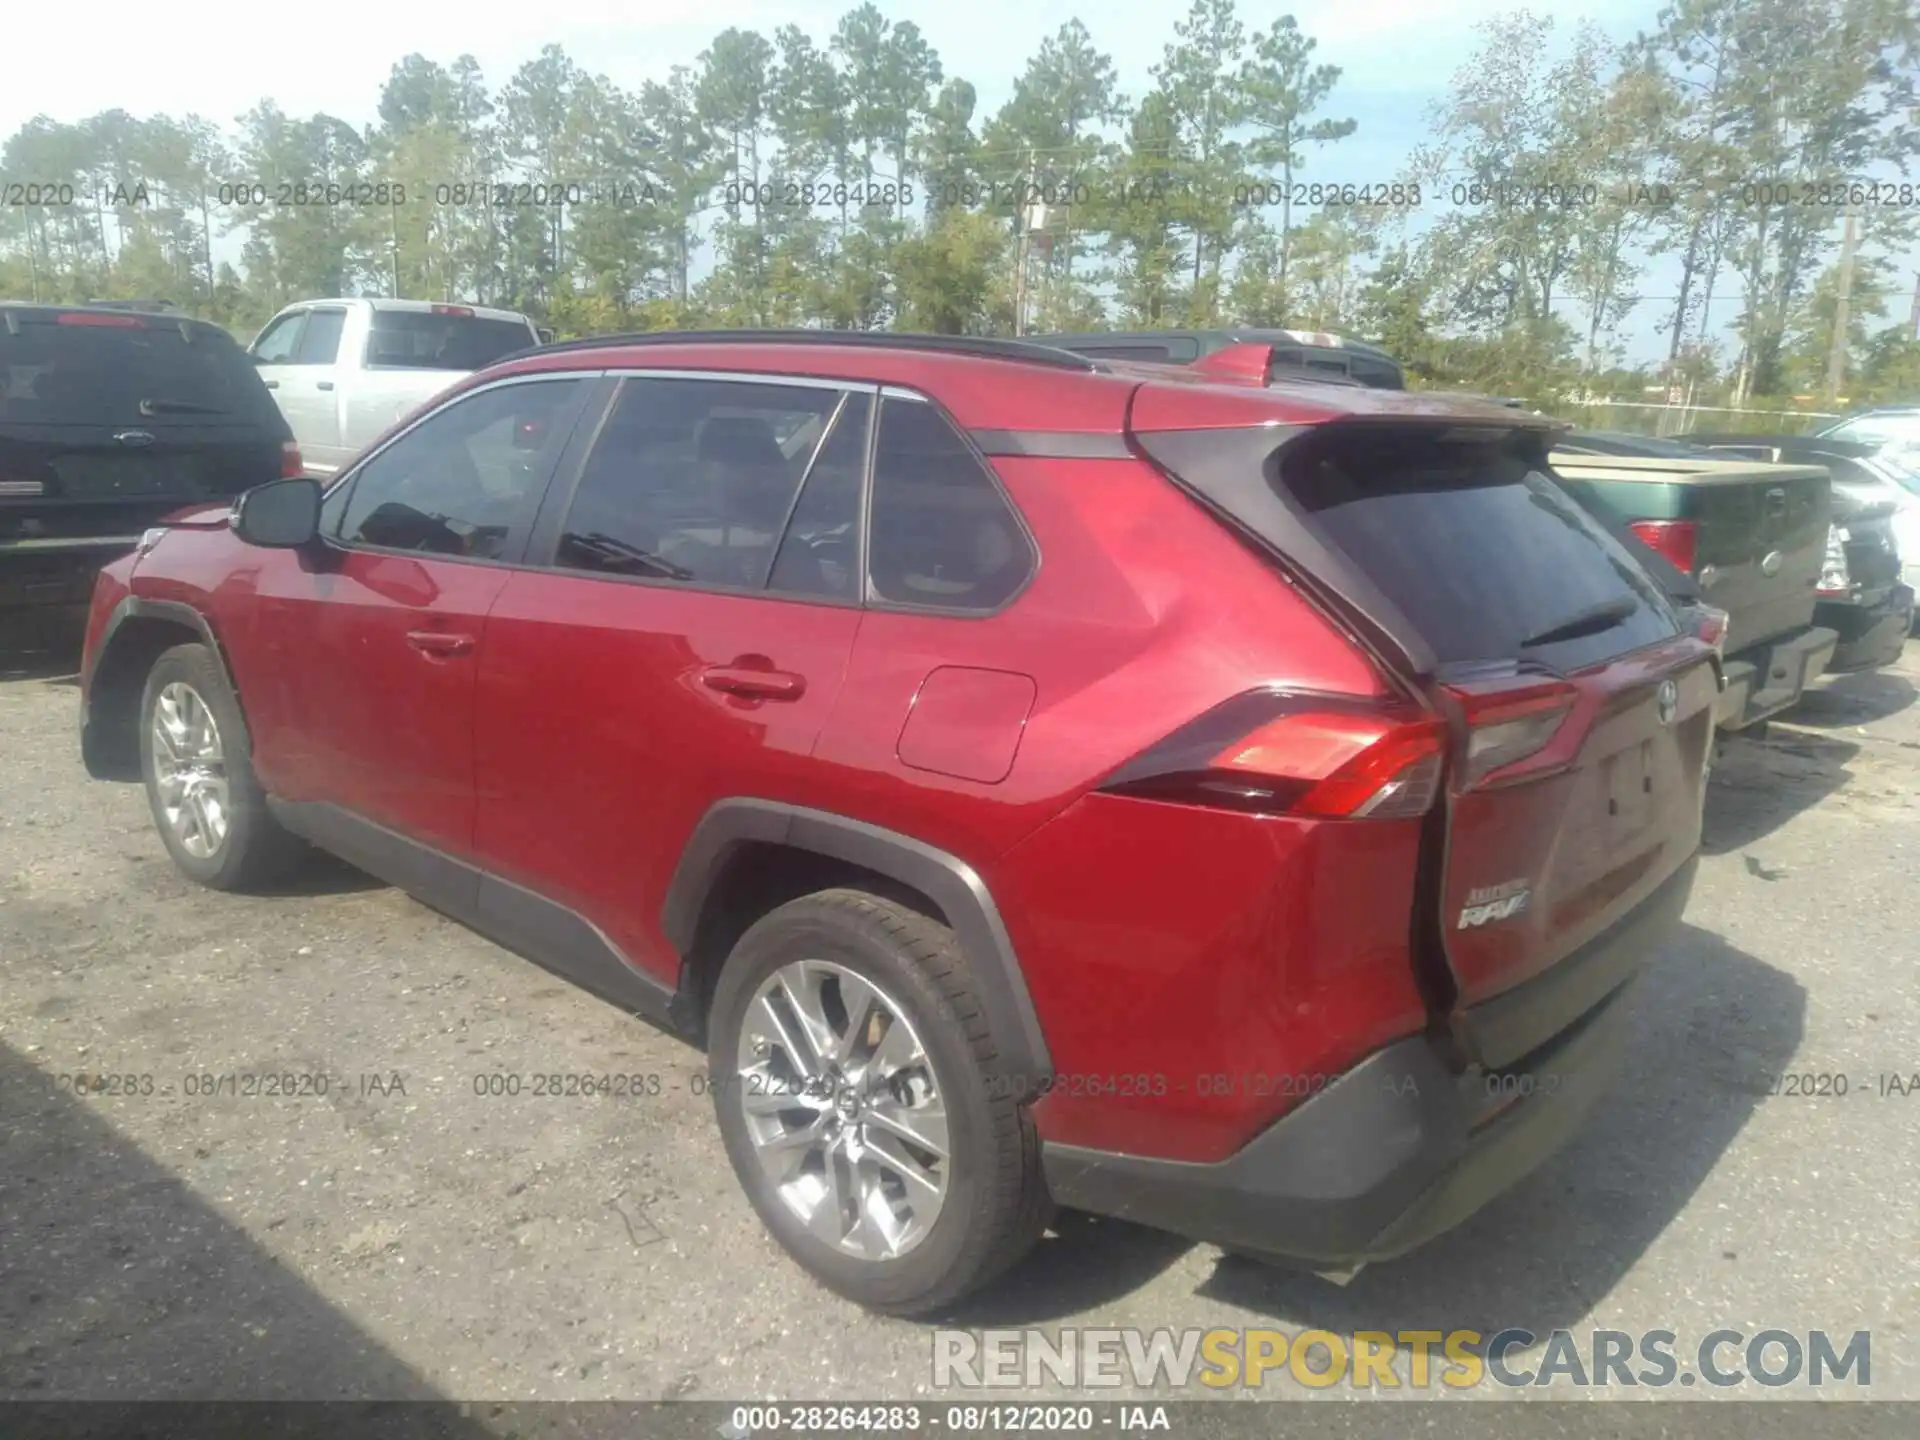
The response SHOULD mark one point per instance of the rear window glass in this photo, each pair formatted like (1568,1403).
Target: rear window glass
(55,374)
(1125,352)
(1377,374)
(1480,551)
(420,340)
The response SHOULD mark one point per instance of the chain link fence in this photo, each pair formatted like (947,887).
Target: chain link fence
(1648,418)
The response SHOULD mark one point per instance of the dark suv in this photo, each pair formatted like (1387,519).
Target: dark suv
(1241,812)
(113,414)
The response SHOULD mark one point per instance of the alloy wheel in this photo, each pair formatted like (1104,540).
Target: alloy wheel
(190,770)
(843,1109)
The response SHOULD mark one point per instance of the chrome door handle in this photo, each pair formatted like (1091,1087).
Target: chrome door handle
(439,644)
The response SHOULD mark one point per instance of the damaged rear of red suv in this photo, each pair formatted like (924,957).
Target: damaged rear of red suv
(1240,810)
(1371,954)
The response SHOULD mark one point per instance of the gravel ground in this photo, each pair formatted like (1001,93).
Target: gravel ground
(405,1236)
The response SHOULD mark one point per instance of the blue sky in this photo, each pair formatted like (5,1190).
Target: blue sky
(221,56)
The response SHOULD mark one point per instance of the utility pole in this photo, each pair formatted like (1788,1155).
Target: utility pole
(1837,355)
(1021,212)
(1913,315)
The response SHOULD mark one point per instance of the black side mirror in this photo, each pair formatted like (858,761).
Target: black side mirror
(281,514)
(546,335)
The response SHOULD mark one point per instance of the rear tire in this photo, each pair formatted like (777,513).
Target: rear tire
(207,803)
(790,998)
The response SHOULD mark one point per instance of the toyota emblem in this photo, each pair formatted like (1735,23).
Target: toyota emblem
(1666,702)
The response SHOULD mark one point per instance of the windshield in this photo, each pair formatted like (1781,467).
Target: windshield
(1900,468)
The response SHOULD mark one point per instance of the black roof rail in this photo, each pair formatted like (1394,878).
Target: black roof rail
(984,347)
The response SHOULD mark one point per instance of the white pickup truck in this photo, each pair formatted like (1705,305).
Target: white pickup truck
(342,371)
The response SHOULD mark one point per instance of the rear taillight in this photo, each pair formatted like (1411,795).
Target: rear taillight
(1507,725)
(1675,540)
(1710,625)
(1287,753)
(291,465)
(1835,577)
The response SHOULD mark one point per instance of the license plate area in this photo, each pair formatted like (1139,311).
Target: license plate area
(105,477)
(1633,791)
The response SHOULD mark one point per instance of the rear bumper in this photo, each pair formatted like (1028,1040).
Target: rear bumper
(1403,1147)
(1765,679)
(41,573)
(1870,635)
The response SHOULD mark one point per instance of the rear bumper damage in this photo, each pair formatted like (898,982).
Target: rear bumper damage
(1869,635)
(1403,1147)
(1765,679)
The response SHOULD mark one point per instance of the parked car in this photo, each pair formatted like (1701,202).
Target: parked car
(1259,354)
(343,371)
(1902,467)
(1751,536)
(109,419)
(1864,595)
(1879,427)
(1036,785)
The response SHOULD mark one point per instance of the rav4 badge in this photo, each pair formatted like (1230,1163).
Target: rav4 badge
(1494,902)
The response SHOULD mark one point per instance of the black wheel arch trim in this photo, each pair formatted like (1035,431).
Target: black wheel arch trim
(1024,1065)
(135,607)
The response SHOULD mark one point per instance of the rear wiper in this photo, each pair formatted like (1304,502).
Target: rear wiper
(1591,621)
(179,407)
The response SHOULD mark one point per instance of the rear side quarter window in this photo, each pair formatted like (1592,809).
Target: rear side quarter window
(942,534)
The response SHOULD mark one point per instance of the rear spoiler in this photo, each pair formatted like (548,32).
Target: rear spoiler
(1227,465)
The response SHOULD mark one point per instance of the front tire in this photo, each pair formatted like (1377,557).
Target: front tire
(850,1063)
(207,804)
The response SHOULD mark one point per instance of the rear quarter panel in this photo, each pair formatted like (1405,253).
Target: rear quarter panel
(1166,948)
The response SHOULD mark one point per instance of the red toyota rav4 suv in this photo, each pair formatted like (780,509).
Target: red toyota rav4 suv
(1241,810)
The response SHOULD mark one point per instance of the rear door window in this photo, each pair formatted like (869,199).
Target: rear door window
(423,340)
(1479,550)
(697,481)
(136,373)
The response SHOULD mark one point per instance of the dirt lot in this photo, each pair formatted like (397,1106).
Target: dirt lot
(406,1234)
